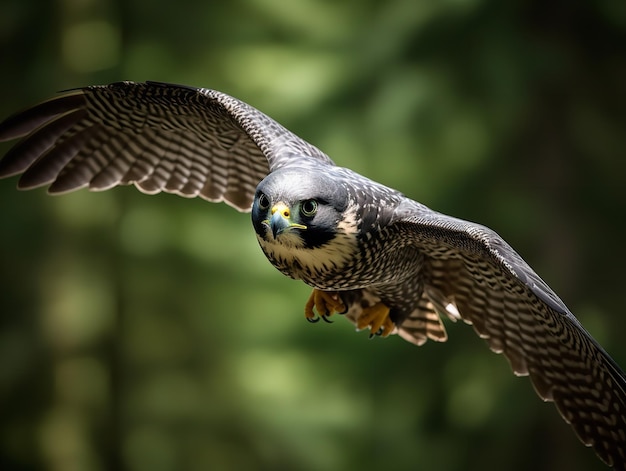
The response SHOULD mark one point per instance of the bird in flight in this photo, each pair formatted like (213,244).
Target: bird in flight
(387,263)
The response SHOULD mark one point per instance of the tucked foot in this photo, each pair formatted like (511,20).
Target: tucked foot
(325,303)
(376,318)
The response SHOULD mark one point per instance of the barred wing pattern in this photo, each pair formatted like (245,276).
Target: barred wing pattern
(161,137)
(200,142)
(518,315)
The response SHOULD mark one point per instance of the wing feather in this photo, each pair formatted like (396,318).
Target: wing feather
(518,315)
(160,137)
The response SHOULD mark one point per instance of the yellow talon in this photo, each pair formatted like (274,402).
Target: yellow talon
(376,317)
(325,303)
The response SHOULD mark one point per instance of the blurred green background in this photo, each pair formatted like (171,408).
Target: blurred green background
(149,333)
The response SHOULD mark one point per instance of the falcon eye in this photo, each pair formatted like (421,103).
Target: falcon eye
(264,202)
(308,208)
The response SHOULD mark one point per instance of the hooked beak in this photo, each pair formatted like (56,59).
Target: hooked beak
(280,221)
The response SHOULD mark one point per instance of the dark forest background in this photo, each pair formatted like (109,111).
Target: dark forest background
(149,333)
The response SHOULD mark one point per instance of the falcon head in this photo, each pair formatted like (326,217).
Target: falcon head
(299,208)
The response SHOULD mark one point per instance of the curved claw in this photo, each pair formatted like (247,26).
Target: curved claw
(377,319)
(325,303)
(378,333)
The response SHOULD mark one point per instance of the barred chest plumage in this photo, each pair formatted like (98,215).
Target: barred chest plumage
(348,261)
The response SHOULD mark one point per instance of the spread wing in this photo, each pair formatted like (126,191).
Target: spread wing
(472,271)
(160,137)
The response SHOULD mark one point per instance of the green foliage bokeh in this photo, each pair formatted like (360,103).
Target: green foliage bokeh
(149,333)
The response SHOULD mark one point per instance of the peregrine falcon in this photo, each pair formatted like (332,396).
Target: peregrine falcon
(387,263)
